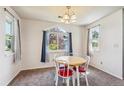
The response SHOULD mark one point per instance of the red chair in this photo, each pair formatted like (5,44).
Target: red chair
(84,68)
(64,72)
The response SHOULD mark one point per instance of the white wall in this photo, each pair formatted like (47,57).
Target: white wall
(110,44)
(8,69)
(31,46)
(110,49)
(32,41)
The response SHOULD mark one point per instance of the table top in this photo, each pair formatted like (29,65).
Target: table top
(72,60)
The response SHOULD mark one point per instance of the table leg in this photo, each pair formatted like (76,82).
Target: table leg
(73,79)
(78,81)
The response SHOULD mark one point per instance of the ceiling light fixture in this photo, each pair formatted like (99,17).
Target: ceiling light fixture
(68,17)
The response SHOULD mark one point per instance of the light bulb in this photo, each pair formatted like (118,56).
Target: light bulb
(73,17)
(62,20)
(73,21)
(66,21)
(66,16)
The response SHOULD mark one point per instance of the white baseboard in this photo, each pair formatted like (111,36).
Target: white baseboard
(13,77)
(107,72)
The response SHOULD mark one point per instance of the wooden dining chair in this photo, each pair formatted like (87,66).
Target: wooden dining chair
(84,68)
(64,71)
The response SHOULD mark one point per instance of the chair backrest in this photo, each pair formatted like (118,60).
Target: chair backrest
(87,58)
(63,65)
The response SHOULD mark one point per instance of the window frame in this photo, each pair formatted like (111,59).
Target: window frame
(91,31)
(9,19)
(57,34)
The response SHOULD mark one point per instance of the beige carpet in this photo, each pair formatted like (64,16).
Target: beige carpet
(45,77)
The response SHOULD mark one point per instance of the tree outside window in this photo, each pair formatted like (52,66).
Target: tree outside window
(57,40)
(94,38)
(57,43)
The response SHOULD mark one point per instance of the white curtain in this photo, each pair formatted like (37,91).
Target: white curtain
(17,41)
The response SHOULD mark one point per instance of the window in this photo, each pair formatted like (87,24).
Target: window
(57,40)
(9,33)
(57,43)
(94,38)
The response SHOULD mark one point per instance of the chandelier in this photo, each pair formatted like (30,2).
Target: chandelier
(68,17)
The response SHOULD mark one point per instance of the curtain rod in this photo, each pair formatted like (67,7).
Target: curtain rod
(9,12)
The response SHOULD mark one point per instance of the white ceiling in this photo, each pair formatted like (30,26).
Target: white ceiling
(85,14)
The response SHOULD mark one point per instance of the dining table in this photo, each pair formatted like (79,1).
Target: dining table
(72,61)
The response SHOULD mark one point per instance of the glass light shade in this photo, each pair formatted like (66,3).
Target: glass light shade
(73,21)
(66,16)
(66,21)
(62,20)
(73,16)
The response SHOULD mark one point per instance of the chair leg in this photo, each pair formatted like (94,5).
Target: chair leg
(55,78)
(63,80)
(67,81)
(73,80)
(77,73)
(86,79)
(56,83)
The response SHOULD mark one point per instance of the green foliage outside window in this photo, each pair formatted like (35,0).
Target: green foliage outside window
(53,46)
(94,44)
(58,41)
(95,36)
(8,42)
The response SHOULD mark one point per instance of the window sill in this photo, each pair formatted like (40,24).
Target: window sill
(8,53)
(56,51)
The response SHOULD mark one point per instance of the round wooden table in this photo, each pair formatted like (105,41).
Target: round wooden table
(72,61)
